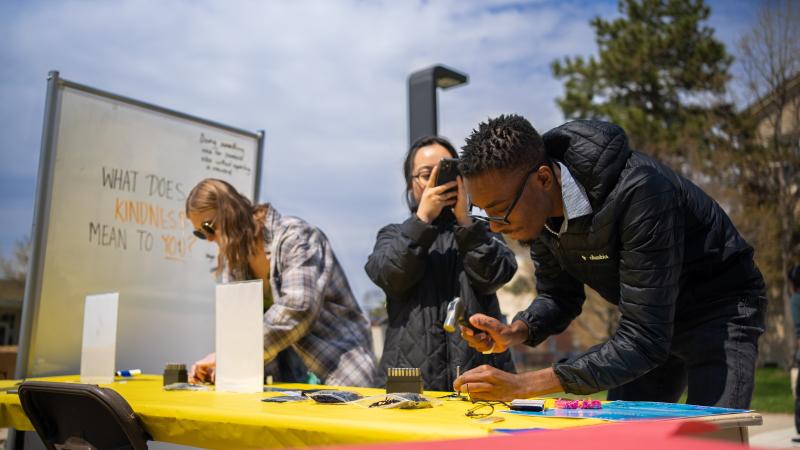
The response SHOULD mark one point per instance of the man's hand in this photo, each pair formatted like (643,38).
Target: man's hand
(495,337)
(435,198)
(205,370)
(489,383)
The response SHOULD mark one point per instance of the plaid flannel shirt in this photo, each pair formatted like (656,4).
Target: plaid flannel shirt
(313,308)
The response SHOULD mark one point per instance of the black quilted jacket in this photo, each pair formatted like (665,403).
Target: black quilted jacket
(421,267)
(656,246)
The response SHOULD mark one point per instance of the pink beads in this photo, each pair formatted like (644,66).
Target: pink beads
(578,404)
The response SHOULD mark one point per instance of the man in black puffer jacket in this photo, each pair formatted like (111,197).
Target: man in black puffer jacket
(595,212)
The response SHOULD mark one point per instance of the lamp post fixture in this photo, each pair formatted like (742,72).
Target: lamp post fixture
(422,108)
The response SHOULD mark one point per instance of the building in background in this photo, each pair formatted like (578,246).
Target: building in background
(11,294)
(765,111)
(775,120)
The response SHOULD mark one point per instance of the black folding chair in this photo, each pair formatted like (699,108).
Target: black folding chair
(81,417)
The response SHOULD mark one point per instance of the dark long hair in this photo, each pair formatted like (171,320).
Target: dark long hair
(408,164)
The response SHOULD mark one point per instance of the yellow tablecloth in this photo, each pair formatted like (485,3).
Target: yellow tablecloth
(225,420)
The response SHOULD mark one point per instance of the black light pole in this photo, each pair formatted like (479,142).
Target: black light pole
(422,109)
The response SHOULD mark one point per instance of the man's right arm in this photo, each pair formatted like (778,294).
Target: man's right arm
(559,298)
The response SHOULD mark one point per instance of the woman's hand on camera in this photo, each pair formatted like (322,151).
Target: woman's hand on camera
(435,198)
(461,208)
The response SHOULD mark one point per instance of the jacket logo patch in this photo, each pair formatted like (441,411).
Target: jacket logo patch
(594,257)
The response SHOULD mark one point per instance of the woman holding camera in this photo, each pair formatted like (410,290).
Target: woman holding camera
(422,264)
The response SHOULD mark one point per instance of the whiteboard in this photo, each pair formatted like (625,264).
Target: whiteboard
(110,217)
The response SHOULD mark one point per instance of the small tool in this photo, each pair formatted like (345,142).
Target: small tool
(456,312)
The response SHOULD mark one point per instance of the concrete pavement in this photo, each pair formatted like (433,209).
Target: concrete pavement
(776,432)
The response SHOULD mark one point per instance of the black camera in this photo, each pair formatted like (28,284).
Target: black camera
(448,171)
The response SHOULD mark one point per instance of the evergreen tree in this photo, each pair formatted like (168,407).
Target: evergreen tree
(659,73)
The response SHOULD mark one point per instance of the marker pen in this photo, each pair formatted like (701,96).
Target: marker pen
(128,373)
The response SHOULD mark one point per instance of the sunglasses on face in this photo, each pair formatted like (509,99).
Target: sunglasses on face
(206,229)
(504,218)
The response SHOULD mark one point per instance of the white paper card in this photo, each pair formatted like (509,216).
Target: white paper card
(240,337)
(98,348)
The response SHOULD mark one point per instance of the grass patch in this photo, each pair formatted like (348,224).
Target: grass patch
(773,393)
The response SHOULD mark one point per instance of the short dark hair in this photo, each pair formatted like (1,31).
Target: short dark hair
(408,164)
(505,142)
(794,276)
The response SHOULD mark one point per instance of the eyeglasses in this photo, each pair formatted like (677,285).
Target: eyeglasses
(206,230)
(482,408)
(504,220)
(422,177)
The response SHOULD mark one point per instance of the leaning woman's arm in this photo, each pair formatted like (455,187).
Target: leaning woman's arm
(298,298)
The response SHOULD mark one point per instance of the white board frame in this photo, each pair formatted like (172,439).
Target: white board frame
(43,199)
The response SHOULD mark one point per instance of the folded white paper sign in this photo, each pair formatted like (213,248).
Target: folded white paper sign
(240,337)
(99,344)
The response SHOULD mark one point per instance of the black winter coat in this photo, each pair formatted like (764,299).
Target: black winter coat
(655,245)
(421,267)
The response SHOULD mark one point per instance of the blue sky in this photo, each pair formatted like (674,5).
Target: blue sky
(325,79)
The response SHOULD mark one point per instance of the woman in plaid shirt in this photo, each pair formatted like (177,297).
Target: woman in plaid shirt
(309,306)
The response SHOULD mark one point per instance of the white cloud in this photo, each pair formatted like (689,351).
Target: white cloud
(325,79)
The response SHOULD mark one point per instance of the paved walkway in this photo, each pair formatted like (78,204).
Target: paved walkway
(776,432)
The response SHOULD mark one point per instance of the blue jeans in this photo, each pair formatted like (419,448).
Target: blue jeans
(714,352)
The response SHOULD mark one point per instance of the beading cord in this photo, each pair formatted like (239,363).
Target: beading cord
(384,402)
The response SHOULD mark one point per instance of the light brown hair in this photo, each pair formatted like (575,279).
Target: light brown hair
(236,224)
